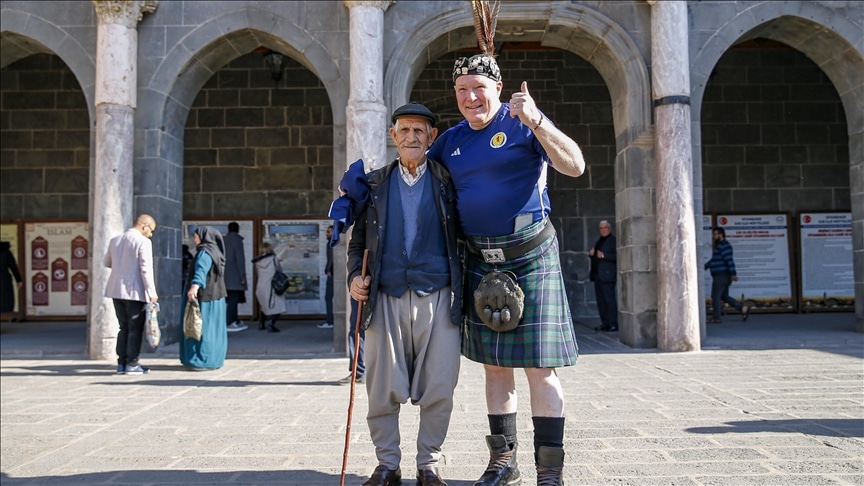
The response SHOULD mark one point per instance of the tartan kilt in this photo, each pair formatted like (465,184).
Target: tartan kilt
(544,337)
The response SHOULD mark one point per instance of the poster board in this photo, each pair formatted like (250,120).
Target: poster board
(247,231)
(10,232)
(760,244)
(56,264)
(300,246)
(827,274)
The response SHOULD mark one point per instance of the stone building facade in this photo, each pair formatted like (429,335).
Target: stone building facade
(769,94)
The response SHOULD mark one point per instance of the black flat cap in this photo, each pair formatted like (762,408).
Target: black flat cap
(414,109)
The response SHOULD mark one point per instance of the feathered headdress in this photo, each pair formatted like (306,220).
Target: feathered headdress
(485,20)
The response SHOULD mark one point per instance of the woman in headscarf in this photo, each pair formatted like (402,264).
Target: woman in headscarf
(207,286)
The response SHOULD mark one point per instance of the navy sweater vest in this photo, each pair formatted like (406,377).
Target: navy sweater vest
(427,269)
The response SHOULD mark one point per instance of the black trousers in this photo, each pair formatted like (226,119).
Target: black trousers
(607,303)
(233,300)
(131,315)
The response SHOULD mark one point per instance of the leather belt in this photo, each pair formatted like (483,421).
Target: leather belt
(501,255)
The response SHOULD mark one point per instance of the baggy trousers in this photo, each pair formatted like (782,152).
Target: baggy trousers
(412,352)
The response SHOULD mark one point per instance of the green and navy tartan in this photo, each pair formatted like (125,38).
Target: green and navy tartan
(545,336)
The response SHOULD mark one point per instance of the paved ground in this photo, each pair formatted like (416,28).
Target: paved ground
(776,401)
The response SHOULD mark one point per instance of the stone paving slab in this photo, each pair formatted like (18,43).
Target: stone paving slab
(791,416)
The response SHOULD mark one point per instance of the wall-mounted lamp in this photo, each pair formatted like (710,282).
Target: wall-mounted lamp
(275,64)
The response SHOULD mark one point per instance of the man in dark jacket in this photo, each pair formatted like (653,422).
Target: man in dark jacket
(604,273)
(412,331)
(235,276)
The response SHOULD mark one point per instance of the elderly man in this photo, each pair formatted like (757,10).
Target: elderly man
(604,274)
(412,335)
(498,157)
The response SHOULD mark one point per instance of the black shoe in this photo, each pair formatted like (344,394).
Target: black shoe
(384,477)
(550,465)
(603,328)
(261,326)
(428,476)
(273,329)
(613,329)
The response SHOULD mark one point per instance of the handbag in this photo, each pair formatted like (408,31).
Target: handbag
(192,321)
(279,284)
(151,325)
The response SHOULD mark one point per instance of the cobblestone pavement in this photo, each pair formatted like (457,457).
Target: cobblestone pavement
(792,416)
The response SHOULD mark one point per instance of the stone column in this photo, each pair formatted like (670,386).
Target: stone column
(111,209)
(366,114)
(677,276)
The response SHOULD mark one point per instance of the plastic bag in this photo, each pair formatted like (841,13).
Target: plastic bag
(192,321)
(151,325)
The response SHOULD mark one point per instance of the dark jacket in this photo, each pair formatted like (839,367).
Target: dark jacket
(605,269)
(367,233)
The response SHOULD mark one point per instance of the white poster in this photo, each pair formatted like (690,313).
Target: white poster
(760,245)
(56,266)
(300,246)
(827,276)
(247,228)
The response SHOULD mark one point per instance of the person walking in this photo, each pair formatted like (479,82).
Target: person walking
(207,286)
(723,273)
(235,276)
(412,332)
(131,286)
(329,289)
(604,274)
(498,157)
(270,305)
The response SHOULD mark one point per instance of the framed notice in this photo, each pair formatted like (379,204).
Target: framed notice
(300,246)
(9,233)
(247,232)
(827,275)
(56,264)
(760,245)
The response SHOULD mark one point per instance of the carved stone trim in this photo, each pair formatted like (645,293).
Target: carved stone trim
(382,4)
(123,12)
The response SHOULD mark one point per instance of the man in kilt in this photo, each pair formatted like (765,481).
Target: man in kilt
(498,158)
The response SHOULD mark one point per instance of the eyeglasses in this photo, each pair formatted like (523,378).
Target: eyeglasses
(150,227)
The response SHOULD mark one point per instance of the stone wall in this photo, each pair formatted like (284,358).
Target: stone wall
(774,135)
(44,141)
(572,93)
(258,148)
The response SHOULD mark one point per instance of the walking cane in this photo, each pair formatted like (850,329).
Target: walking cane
(353,377)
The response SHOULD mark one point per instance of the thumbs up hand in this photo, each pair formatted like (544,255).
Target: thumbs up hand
(522,105)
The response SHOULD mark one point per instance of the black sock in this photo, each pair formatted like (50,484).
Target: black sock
(504,425)
(548,432)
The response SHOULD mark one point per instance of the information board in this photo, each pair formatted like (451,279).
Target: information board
(827,274)
(56,261)
(247,231)
(300,246)
(760,245)
(9,234)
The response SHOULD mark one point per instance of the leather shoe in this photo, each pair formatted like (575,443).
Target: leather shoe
(428,476)
(604,327)
(384,477)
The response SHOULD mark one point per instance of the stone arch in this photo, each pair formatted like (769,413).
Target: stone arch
(613,53)
(571,27)
(23,34)
(832,42)
(165,100)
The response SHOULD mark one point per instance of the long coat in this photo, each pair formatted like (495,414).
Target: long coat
(268,301)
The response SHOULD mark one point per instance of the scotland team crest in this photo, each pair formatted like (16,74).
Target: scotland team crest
(498,140)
